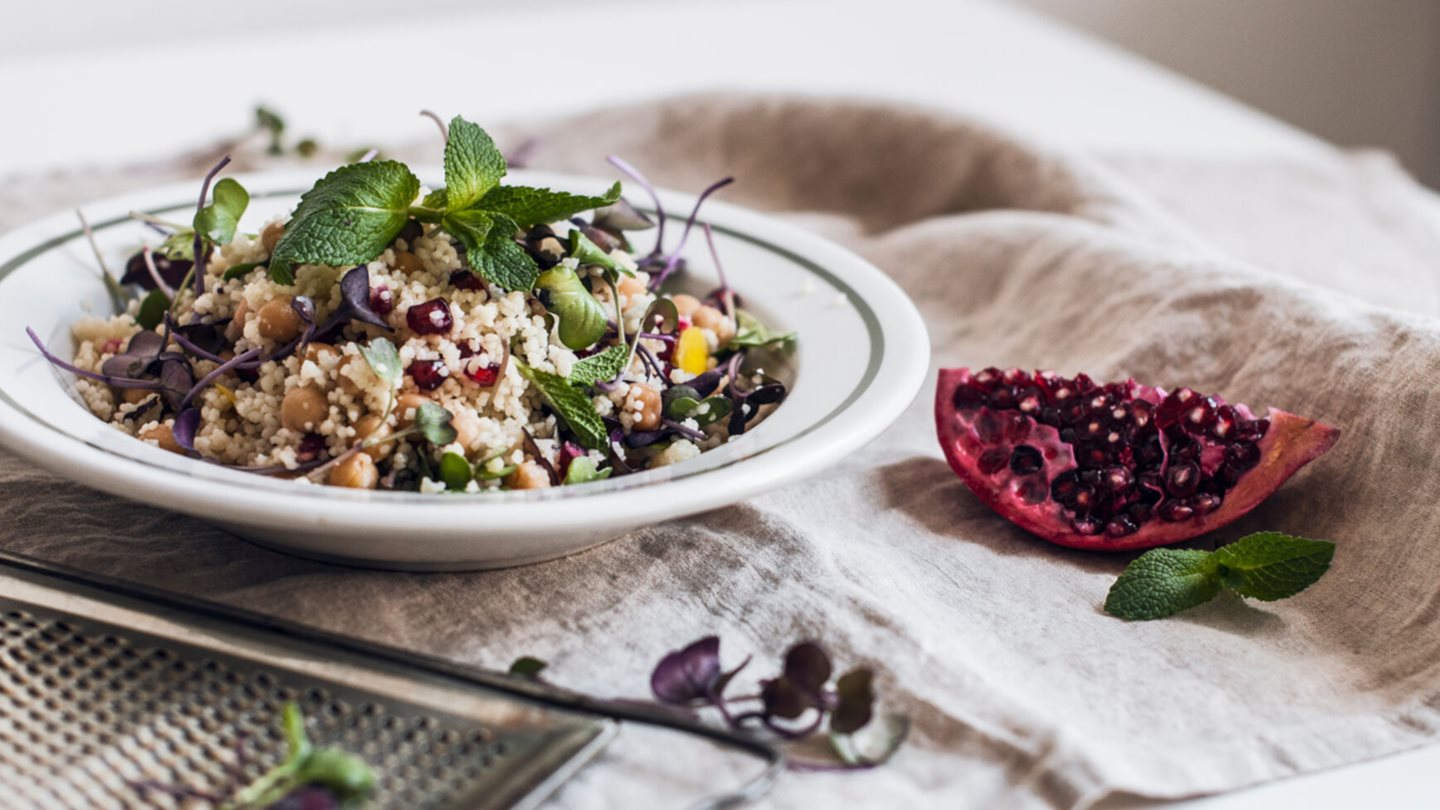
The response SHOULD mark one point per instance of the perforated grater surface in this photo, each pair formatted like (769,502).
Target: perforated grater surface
(108,692)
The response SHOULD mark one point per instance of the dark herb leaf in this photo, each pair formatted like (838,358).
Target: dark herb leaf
(355,301)
(153,309)
(348,217)
(471,227)
(504,263)
(239,270)
(582,319)
(528,667)
(345,775)
(600,367)
(271,122)
(218,220)
(433,422)
(455,472)
(621,216)
(855,693)
(473,166)
(687,675)
(571,404)
(384,360)
(540,206)
(807,666)
(783,699)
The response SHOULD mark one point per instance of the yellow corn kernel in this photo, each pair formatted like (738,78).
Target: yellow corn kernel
(693,353)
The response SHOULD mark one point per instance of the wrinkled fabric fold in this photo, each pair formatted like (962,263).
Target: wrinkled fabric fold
(1024,693)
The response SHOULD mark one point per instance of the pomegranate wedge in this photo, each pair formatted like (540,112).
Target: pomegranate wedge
(1114,466)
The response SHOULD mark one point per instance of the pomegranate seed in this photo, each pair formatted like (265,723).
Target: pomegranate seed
(428,374)
(1183,479)
(1116,478)
(382,300)
(485,376)
(1026,460)
(466,280)
(1175,511)
(989,427)
(1243,454)
(430,318)
(310,447)
(1206,502)
(968,398)
(110,346)
(1086,526)
(1120,526)
(994,460)
(1017,427)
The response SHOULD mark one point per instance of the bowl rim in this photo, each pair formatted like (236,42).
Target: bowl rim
(894,374)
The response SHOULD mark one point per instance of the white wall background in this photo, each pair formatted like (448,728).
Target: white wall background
(1356,72)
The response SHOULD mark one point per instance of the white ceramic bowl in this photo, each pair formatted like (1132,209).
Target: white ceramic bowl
(861,356)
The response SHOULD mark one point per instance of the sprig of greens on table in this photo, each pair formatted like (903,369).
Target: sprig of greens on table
(1265,566)
(794,705)
(308,776)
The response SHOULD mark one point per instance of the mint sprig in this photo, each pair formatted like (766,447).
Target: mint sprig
(572,405)
(349,217)
(473,165)
(600,367)
(1265,566)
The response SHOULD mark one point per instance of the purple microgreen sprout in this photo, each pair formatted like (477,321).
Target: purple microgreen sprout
(689,433)
(619,217)
(117,294)
(672,261)
(108,379)
(519,157)
(216,373)
(634,174)
(723,292)
(202,255)
(369,155)
(186,425)
(354,302)
(693,677)
(183,336)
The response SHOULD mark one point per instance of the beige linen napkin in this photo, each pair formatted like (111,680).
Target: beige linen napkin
(1311,288)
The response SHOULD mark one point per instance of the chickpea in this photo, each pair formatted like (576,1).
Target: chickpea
(407,406)
(685,304)
(716,321)
(467,426)
(357,471)
(650,406)
(317,353)
(407,263)
(279,321)
(372,426)
(630,287)
(163,435)
(303,409)
(236,328)
(271,236)
(135,396)
(529,475)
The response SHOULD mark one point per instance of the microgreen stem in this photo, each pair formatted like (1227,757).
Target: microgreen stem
(155,274)
(200,253)
(117,293)
(634,174)
(154,220)
(439,122)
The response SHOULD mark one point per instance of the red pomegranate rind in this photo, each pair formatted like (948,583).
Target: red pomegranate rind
(1114,466)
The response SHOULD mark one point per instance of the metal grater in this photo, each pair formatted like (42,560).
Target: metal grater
(105,687)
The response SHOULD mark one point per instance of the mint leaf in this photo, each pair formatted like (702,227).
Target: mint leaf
(583,470)
(433,422)
(384,360)
(1270,565)
(473,166)
(152,310)
(218,220)
(538,206)
(1162,582)
(571,404)
(600,367)
(178,245)
(471,227)
(587,252)
(582,319)
(239,270)
(751,333)
(349,217)
(455,472)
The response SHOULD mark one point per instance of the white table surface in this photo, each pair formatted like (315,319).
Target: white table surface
(92,83)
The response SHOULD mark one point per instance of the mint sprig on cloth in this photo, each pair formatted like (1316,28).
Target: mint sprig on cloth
(1265,566)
